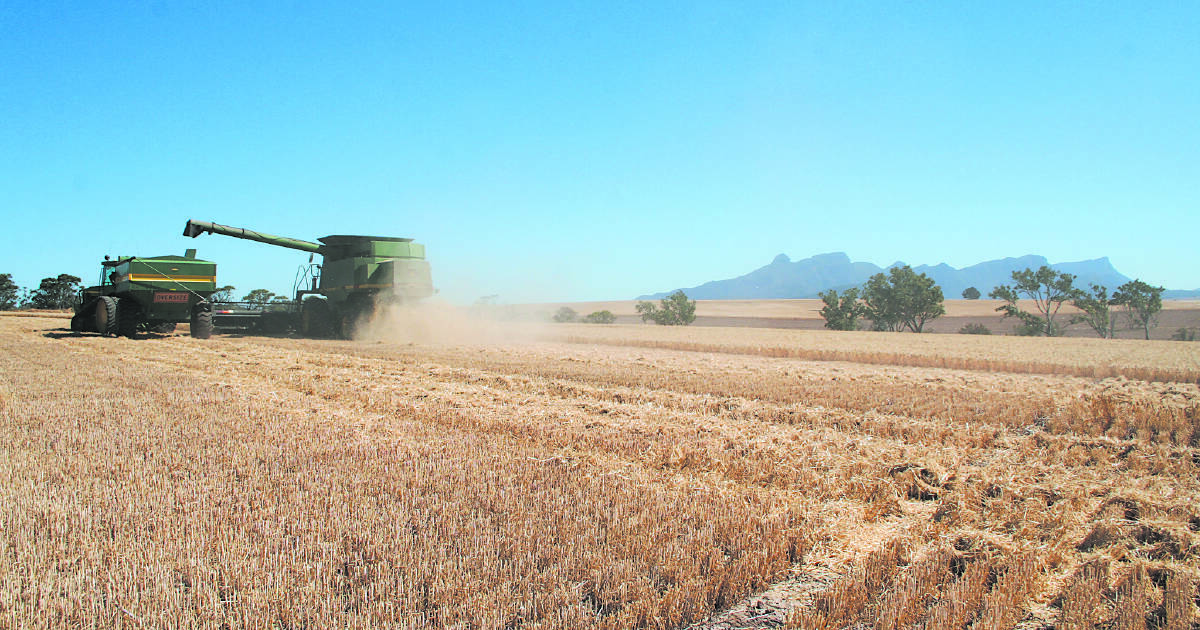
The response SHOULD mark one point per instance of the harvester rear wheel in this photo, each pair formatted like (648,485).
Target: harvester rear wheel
(129,315)
(105,316)
(202,323)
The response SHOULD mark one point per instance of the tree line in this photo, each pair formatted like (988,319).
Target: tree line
(902,300)
(52,293)
(674,310)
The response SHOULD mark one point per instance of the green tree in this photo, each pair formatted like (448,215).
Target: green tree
(879,305)
(55,293)
(223,294)
(1142,303)
(600,317)
(971,293)
(9,293)
(841,312)
(1095,310)
(258,297)
(902,299)
(674,310)
(565,314)
(1047,288)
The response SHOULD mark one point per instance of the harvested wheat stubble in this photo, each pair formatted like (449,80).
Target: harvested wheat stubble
(252,482)
(220,503)
(1097,358)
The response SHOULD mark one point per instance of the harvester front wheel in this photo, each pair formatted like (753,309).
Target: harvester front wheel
(316,320)
(202,323)
(129,315)
(105,316)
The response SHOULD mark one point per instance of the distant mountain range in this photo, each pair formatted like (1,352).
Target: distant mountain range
(784,278)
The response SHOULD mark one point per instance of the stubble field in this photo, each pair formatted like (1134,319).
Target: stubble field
(597,477)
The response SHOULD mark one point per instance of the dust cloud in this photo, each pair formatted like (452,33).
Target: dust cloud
(439,323)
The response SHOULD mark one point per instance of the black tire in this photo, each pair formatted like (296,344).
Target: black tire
(202,323)
(105,316)
(316,318)
(129,315)
(162,328)
(77,324)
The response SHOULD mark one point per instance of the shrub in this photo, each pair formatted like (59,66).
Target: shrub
(974,329)
(675,310)
(1184,334)
(841,312)
(902,299)
(565,314)
(600,317)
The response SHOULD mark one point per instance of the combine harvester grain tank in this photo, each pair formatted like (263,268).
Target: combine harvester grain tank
(357,273)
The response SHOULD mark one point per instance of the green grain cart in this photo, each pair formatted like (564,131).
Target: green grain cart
(357,273)
(148,294)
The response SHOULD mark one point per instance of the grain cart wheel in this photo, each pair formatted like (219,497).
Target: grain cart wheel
(129,315)
(202,323)
(106,316)
(316,320)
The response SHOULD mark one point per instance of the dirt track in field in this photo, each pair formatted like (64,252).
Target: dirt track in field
(814,492)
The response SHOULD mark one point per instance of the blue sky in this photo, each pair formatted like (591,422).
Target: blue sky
(574,151)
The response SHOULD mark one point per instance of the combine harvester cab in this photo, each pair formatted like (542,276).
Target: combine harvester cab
(357,274)
(148,294)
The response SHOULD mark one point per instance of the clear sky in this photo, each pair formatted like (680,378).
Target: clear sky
(570,151)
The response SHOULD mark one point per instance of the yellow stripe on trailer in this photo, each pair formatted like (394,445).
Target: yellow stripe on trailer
(150,277)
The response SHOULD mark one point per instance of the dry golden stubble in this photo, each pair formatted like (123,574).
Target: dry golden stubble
(1116,409)
(328,476)
(342,417)
(1094,358)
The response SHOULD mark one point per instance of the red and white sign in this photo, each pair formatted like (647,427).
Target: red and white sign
(173,297)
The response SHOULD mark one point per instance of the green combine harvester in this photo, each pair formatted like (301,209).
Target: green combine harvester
(148,295)
(331,298)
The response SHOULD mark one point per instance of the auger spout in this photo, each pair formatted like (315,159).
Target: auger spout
(196,228)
